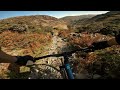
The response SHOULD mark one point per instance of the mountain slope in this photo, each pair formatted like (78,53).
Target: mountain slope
(31,23)
(70,19)
(108,23)
(103,17)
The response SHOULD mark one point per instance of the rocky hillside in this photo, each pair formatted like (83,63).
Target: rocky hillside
(71,19)
(35,23)
(100,64)
(108,23)
(103,17)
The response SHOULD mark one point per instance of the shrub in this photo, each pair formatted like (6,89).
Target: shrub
(18,28)
(107,65)
(12,40)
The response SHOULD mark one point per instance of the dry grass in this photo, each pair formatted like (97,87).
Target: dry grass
(16,40)
(15,43)
(86,39)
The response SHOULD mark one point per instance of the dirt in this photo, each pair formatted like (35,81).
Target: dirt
(55,47)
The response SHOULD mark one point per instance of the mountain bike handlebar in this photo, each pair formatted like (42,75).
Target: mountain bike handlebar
(88,49)
(66,65)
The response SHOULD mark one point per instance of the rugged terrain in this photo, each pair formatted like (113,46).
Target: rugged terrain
(36,23)
(71,19)
(107,24)
(45,35)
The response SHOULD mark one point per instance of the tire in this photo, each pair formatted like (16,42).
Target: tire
(44,72)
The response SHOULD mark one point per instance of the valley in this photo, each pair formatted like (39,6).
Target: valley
(41,35)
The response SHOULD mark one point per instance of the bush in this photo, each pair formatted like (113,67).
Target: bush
(110,30)
(17,40)
(47,29)
(18,28)
(107,65)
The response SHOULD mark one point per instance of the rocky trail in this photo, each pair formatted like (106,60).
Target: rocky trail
(48,68)
(46,65)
